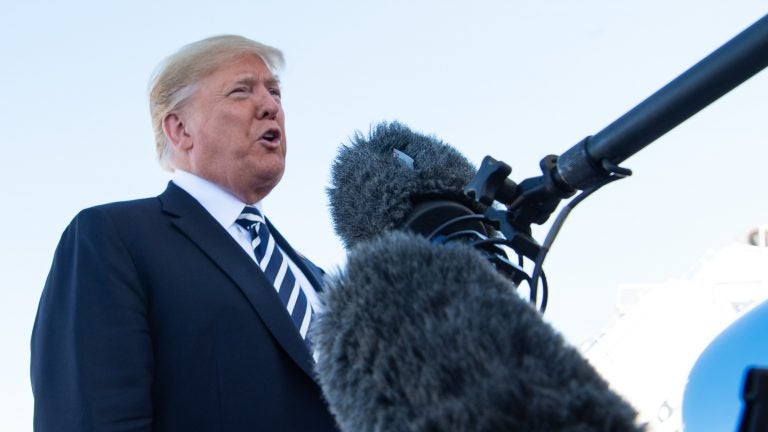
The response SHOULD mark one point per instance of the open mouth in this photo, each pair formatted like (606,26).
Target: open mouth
(272,136)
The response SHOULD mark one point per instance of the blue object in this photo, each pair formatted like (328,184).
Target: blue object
(712,399)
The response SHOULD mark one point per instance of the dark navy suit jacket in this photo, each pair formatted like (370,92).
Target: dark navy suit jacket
(154,318)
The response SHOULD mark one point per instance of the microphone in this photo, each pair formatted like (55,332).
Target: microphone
(399,179)
(423,337)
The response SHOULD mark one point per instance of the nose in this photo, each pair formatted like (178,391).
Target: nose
(267,105)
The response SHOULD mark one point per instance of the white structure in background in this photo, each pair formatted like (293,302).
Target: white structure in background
(648,352)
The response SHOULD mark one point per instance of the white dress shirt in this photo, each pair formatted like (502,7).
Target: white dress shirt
(225,208)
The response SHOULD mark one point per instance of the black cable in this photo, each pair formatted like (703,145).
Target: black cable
(544,291)
(460,234)
(454,221)
(618,173)
(492,241)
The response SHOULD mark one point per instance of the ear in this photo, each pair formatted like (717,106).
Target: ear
(176,132)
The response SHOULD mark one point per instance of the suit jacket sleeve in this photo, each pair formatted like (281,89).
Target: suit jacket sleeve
(91,364)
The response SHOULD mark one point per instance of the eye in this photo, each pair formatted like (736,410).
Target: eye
(275,92)
(239,91)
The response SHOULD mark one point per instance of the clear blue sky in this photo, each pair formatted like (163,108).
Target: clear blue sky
(515,80)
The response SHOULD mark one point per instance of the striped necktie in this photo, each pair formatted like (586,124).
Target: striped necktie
(275,267)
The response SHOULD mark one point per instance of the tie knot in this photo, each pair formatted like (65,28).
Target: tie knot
(250,217)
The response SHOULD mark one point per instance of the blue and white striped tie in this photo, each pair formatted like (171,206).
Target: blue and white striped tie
(275,267)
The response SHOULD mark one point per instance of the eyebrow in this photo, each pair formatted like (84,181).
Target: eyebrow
(273,80)
(252,80)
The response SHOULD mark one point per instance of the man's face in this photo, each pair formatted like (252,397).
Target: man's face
(236,129)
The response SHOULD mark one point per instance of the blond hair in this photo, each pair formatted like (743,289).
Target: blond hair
(175,78)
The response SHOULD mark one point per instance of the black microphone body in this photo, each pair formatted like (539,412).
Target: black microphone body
(425,337)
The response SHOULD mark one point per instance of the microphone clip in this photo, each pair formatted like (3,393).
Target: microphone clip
(532,201)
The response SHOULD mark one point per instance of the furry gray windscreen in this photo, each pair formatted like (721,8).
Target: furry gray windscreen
(371,192)
(420,337)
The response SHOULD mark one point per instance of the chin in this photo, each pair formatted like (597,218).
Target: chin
(266,183)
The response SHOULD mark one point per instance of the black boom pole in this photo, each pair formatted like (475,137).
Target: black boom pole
(720,72)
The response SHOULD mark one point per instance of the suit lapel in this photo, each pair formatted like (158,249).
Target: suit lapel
(203,230)
(311,271)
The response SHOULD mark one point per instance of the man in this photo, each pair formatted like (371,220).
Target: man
(171,313)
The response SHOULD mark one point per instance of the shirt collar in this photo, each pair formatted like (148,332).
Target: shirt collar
(222,205)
